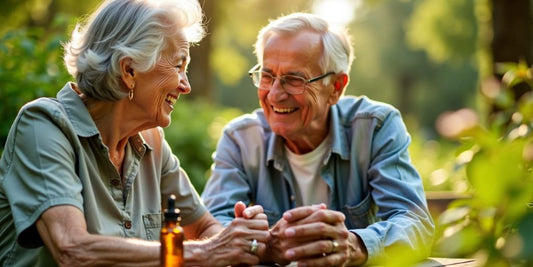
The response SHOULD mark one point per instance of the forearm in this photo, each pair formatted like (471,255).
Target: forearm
(205,227)
(196,253)
(209,252)
(98,250)
(210,229)
(104,250)
(63,231)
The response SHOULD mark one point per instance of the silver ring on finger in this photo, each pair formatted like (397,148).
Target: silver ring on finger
(253,248)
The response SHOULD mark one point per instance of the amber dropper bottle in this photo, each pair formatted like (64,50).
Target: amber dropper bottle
(172,237)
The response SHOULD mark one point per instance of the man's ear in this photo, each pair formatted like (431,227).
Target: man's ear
(339,84)
(127,73)
(341,80)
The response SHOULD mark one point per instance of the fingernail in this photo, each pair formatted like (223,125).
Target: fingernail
(319,206)
(247,213)
(289,254)
(287,215)
(290,232)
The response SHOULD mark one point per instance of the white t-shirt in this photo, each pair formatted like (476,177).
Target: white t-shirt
(311,188)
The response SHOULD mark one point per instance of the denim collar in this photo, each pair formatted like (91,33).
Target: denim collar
(275,152)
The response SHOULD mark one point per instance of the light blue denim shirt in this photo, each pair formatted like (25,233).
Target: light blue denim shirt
(368,170)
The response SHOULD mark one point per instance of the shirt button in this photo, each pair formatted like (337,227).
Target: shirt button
(127,224)
(292,197)
(115,182)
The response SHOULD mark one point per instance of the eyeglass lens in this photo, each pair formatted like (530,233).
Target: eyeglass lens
(290,83)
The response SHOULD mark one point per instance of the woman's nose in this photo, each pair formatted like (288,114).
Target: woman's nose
(184,87)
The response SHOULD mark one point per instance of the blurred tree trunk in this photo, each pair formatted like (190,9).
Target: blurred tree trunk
(199,72)
(512,36)
(512,31)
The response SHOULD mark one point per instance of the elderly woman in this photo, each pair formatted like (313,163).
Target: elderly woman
(83,175)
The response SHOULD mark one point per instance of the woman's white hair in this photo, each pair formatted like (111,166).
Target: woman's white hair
(338,53)
(139,29)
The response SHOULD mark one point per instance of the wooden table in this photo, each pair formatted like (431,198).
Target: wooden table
(430,262)
(454,262)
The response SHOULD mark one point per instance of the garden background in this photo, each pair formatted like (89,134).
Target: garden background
(458,70)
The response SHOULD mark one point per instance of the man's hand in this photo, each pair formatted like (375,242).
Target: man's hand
(317,237)
(277,246)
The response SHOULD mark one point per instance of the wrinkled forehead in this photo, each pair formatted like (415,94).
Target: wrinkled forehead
(302,48)
(177,41)
(176,46)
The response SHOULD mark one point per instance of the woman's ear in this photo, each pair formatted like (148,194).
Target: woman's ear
(127,73)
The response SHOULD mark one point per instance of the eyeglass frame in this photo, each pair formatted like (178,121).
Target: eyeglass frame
(257,67)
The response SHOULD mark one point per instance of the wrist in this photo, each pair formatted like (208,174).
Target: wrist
(273,254)
(359,253)
(195,253)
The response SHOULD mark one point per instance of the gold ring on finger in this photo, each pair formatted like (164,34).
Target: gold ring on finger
(335,247)
(254,246)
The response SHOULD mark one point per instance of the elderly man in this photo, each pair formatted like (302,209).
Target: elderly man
(332,172)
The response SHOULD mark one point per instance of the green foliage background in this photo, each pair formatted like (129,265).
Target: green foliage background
(423,56)
(29,68)
(494,226)
(193,134)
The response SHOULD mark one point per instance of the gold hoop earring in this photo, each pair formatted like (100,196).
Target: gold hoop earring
(130,93)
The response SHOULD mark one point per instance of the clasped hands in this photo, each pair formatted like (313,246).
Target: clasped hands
(309,235)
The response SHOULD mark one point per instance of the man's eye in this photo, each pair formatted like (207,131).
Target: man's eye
(266,77)
(293,80)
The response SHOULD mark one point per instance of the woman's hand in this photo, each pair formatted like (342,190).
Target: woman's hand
(235,244)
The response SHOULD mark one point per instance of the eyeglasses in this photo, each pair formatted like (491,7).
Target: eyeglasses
(292,84)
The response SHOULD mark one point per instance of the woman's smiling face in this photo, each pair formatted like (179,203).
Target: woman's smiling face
(156,91)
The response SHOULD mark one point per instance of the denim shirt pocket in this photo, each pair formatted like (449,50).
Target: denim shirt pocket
(361,215)
(152,225)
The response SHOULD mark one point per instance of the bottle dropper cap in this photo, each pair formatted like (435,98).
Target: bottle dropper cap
(171,213)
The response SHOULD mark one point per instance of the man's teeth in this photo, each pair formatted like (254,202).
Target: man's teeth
(284,110)
(171,99)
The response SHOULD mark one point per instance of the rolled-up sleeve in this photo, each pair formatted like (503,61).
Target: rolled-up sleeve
(227,184)
(41,171)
